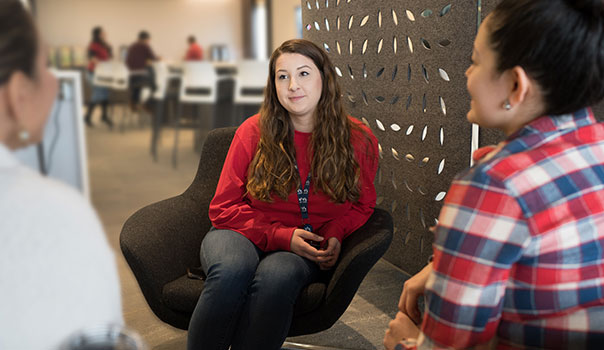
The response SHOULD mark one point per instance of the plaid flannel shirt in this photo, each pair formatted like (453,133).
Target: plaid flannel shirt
(518,253)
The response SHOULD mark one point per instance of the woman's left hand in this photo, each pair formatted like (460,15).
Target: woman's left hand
(333,252)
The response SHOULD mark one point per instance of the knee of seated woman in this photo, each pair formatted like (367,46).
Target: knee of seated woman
(228,251)
(231,273)
(284,269)
(228,285)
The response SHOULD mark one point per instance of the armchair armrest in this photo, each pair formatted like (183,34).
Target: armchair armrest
(360,251)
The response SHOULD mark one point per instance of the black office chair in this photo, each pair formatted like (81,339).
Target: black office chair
(162,240)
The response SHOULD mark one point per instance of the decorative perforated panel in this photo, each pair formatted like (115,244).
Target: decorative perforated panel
(401,66)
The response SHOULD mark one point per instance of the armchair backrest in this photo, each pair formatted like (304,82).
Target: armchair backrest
(213,154)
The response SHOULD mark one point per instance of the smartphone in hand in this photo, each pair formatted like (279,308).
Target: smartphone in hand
(314,244)
(196,273)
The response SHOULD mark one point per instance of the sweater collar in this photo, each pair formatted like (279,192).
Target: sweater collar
(556,123)
(7,158)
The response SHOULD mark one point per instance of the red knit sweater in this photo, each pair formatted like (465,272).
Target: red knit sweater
(100,52)
(270,225)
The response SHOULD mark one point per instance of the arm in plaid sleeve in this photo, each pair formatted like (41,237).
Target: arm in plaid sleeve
(481,233)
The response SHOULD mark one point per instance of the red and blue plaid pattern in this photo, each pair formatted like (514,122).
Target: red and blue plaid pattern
(519,247)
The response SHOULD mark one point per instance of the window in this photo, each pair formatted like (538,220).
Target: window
(259,34)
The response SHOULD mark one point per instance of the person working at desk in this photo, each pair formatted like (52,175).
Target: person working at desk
(194,52)
(139,59)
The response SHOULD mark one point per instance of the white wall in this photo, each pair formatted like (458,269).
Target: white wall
(70,22)
(284,21)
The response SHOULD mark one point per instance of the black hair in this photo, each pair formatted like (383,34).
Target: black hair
(143,35)
(191,39)
(96,38)
(559,43)
(18,40)
(96,35)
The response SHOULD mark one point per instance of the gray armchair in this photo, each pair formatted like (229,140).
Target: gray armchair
(162,240)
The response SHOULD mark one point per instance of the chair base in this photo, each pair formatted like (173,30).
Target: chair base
(297,346)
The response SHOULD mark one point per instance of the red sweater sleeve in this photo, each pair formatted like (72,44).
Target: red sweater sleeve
(230,209)
(366,152)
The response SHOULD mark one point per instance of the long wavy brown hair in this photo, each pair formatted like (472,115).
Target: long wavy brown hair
(334,168)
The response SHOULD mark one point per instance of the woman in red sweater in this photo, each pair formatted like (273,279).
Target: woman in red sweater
(297,180)
(98,51)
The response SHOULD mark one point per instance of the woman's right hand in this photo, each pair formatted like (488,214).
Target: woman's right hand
(413,288)
(300,246)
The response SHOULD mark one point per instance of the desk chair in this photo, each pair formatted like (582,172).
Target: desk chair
(160,101)
(162,240)
(86,85)
(121,91)
(250,82)
(103,74)
(198,87)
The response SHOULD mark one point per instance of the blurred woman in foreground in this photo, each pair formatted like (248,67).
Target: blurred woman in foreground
(57,273)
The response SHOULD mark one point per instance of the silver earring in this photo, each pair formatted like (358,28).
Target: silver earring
(24,135)
(507,105)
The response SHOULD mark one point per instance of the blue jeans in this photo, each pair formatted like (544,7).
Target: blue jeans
(248,297)
(99,93)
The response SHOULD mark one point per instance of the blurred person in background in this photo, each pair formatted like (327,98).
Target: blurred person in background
(57,272)
(98,51)
(139,60)
(194,52)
